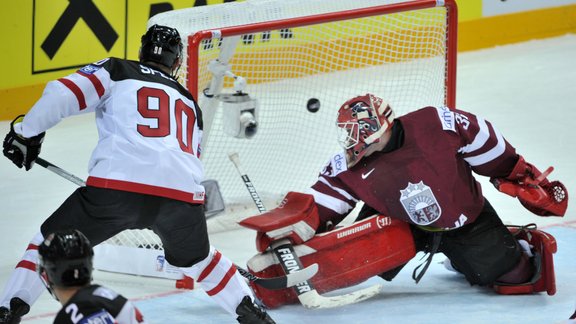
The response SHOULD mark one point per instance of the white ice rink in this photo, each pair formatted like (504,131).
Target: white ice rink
(527,90)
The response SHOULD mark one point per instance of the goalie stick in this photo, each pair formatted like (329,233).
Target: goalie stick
(284,251)
(273,283)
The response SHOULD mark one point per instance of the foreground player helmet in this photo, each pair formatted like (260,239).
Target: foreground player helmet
(65,259)
(161,44)
(361,122)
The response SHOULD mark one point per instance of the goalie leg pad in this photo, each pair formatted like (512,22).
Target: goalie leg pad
(543,247)
(346,256)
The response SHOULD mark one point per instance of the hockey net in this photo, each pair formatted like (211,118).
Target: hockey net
(289,52)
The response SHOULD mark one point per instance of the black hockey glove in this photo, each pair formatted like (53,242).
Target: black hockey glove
(20,150)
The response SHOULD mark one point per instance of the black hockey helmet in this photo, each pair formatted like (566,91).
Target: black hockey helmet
(161,44)
(65,259)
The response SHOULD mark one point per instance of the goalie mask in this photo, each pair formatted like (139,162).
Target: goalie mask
(361,122)
(65,259)
(161,44)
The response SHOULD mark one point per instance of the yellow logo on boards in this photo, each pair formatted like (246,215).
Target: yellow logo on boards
(72,33)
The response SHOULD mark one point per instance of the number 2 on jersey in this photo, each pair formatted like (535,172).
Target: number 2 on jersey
(161,112)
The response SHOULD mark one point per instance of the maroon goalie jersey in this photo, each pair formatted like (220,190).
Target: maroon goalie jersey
(427,179)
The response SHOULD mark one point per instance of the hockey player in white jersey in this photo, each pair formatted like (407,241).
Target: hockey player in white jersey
(145,171)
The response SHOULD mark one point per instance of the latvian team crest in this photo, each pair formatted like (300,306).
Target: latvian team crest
(419,202)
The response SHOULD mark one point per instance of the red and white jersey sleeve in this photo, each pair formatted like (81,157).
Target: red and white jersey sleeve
(427,179)
(149,126)
(71,95)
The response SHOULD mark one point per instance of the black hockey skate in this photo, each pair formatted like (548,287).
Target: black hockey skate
(250,313)
(18,308)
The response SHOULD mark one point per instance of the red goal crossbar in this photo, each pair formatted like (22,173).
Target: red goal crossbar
(195,40)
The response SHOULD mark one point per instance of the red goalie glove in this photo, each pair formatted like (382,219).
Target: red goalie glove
(296,219)
(534,191)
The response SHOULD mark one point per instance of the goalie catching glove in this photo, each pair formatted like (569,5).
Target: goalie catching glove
(295,219)
(534,191)
(20,150)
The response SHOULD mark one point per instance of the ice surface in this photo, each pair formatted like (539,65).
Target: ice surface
(527,90)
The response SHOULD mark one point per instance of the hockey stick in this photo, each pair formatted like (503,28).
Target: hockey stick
(273,283)
(281,282)
(61,172)
(290,262)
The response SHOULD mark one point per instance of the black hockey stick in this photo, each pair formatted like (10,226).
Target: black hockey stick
(284,251)
(61,172)
(273,283)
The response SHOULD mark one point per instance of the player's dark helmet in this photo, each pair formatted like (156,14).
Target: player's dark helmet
(161,44)
(65,259)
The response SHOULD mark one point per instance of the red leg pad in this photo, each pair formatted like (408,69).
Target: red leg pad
(346,256)
(543,244)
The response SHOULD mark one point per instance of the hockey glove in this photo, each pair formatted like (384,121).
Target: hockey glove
(533,190)
(20,150)
(295,219)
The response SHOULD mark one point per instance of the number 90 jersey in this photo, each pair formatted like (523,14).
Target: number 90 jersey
(149,126)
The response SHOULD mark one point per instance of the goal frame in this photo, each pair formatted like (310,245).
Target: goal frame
(195,40)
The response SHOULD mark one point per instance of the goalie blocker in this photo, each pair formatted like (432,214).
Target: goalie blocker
(346,256)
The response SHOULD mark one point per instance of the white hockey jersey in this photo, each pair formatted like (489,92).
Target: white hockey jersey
(150,127)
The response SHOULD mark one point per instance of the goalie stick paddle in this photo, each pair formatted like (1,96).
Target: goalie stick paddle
(272,283)
(281,282)
(290,262)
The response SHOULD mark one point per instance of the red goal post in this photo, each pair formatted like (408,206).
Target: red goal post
(288,52)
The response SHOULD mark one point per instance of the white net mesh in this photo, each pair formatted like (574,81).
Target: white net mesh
(400,57)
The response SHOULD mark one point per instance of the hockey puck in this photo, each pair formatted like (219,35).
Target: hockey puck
(313,105)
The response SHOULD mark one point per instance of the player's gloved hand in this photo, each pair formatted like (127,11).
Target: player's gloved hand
(534,191)
(295,219)
(20,150)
